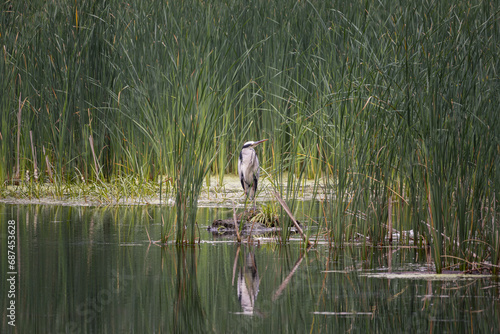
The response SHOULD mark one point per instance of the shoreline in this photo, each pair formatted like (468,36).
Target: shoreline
(227,195)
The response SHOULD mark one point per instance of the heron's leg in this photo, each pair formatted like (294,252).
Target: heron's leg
(254,192)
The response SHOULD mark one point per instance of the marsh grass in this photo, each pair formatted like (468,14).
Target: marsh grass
(377,102)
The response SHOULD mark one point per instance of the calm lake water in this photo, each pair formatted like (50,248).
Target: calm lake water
(93,270)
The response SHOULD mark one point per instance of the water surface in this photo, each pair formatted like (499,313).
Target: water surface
(93,270)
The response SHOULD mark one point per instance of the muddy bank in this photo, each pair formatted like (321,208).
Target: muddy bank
(214,194)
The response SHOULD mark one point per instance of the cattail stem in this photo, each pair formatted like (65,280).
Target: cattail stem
(33,153)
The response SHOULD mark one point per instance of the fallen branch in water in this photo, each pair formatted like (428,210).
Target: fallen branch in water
(287,210)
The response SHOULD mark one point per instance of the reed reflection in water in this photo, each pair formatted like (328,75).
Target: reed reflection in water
(93,270)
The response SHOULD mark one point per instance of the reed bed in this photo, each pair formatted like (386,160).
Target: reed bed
(392,107)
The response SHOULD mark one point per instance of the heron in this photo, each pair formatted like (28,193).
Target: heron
(248,168)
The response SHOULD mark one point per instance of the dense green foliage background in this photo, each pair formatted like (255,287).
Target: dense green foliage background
(377,101)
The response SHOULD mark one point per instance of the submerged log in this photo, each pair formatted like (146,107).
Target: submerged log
(226,226)
(248,222)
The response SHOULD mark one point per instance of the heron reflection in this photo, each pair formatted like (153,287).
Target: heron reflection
(248,282)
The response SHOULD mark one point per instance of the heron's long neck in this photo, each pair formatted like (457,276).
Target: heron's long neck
(248,155)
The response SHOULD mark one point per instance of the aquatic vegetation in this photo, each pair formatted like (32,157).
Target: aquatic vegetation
(267,215)
(390,107)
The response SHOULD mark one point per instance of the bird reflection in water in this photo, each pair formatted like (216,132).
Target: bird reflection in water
(248,282)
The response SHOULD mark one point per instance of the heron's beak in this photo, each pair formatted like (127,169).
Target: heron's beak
(259,142)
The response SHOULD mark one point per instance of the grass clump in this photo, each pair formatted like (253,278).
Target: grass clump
(266,215)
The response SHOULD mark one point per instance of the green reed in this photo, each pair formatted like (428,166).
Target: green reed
(378,102)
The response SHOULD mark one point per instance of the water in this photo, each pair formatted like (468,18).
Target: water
(93,270)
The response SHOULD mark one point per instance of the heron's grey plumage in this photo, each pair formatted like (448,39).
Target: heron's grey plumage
(248,168)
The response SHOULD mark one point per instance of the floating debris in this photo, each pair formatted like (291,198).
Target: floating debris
(426,275)
(343,313)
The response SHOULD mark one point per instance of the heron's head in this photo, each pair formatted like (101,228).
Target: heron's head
(252,144)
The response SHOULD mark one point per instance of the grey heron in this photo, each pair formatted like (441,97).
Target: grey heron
(248,168)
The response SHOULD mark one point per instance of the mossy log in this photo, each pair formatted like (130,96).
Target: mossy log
(250,222)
